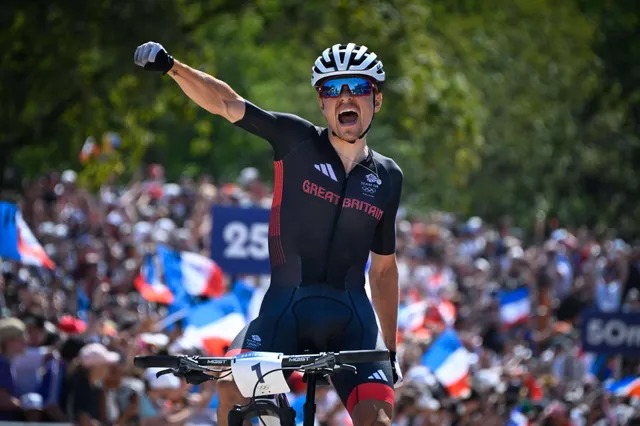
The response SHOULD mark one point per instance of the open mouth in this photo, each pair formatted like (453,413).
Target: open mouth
(348,117)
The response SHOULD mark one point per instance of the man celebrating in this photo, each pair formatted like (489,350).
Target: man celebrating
(335,201)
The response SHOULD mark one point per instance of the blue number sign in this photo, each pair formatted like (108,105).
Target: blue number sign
(240,239)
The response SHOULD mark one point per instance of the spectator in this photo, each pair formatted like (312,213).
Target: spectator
(84,404)
(122,395)
(54,384)
(12,344)
(27,365)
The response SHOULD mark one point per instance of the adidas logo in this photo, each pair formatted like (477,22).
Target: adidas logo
(378,375)
(326,170)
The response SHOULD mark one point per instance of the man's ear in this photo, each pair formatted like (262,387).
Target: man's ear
(377,102)
(321,102)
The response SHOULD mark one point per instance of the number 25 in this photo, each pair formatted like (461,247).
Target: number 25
(258,370)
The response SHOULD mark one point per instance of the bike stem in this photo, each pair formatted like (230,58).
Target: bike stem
(310,403)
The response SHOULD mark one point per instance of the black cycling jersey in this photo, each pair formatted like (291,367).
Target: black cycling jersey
(323,221)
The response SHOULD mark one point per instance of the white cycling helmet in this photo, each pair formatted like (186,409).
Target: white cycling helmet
(349,59)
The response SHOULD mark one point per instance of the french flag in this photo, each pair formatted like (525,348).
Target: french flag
(196,274)
(448,360)
(515,306)
(213,325)
(17,242)
(413,317)
(627,387)
(149,285)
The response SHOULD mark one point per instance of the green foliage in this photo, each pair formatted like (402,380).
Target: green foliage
(526,107)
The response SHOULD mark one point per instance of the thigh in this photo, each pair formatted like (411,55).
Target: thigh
(372,381)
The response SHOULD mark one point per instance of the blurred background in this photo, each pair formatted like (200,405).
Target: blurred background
(516,124)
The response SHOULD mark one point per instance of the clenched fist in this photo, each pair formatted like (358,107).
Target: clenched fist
(153,57)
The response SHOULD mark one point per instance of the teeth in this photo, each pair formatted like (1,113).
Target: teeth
(348,110)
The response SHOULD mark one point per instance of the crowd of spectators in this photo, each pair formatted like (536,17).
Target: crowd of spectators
(68,336)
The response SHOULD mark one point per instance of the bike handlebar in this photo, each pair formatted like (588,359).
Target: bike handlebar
(153,361)
(343,357)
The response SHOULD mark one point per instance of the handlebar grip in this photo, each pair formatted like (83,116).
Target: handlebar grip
(152,361)
(355,357)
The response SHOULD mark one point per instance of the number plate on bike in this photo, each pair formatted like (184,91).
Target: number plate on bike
(256,367)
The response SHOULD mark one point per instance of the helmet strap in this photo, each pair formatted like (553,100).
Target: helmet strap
(371,122)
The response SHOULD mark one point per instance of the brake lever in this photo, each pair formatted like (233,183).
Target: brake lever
(346,367)
(163,372)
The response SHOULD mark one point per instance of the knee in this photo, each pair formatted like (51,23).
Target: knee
(228,392)
(372,413)
(382,420)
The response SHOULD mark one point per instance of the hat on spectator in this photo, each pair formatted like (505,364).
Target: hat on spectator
(71,325)
(208,191)
(164,224)
(115,218)
(31,401)
(296,382)
(166,381)
(69,176)
(97,354)
(11,328)
(248,175)
(155,339)
(172,190)
(482,264)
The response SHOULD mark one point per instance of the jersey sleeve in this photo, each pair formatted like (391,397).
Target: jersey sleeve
(384,241)
(282,131)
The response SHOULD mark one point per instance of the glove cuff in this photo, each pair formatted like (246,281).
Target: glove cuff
(170,63)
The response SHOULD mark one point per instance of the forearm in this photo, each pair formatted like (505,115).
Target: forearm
(384,294)
(210,93)
(8,402)
(54,413)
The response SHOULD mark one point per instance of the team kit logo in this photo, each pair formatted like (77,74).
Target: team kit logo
(370,185)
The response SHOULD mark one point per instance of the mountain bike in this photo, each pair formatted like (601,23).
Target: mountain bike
(260,377)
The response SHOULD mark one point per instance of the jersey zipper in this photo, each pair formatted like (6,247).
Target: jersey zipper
(336,217)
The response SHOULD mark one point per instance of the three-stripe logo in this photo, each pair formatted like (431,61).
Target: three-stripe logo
(326,170)
(378,375)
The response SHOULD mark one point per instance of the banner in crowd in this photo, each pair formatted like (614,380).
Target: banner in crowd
(17,242)
(611,332)
(240,239)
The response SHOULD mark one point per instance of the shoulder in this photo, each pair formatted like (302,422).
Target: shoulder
(389,166)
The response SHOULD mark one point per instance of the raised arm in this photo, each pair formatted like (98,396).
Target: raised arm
(212,94)
(282,131)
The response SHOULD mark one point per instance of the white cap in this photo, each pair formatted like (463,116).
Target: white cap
(97,354)
(516,252)
(166,381)
(474,223)
(156,339)
(69,176)
(172,190)
(115,218)
(482,264)
(142,229)
(165,224)
(61,230)
(247,175)
(31,401)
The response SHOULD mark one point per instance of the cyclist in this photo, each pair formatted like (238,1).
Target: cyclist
(335,201)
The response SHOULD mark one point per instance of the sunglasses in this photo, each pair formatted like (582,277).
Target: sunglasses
(358,86)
